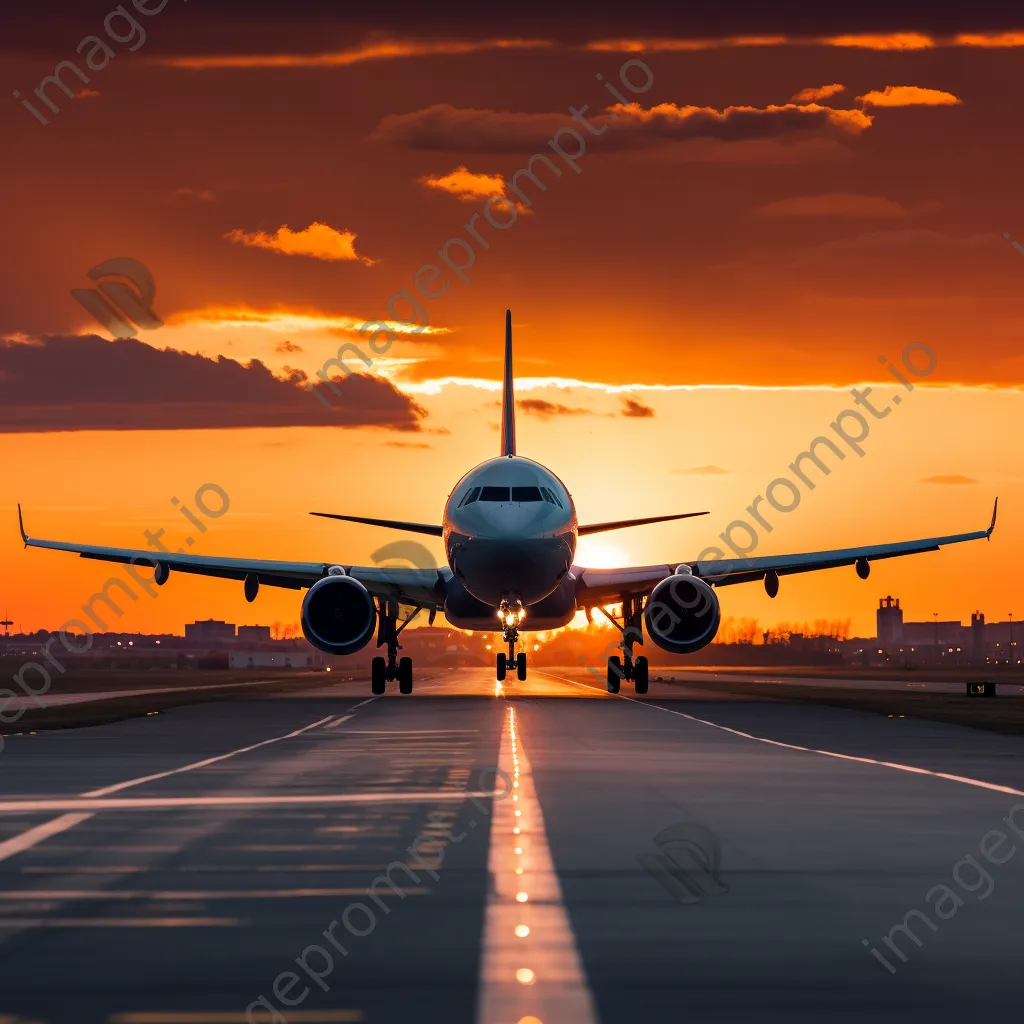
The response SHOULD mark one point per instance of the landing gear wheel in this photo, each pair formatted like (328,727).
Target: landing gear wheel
(378,670)
(405,675)
(501,667)
(521,665)
(640,675)
(614,673)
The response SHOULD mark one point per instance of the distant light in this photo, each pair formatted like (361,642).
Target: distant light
(524,976)
(328,667)
(522,931)
(521,897)
(536,647)
(158,641)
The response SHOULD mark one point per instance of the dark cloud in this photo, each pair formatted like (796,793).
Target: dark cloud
(287,346)
(545,409)
(304,25)
(458,129)
(636,409)
(82,382)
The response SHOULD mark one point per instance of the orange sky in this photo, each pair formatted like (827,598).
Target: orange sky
(773,212)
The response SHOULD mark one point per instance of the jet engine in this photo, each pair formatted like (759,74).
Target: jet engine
(338,615)
(682,614)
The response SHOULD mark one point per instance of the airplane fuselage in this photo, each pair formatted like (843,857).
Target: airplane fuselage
(509,531)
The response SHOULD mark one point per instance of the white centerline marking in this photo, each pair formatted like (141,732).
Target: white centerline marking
(530,969)
(338,721)
(913,769)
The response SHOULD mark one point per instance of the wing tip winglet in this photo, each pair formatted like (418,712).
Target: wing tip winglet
(992,525)
(21,526)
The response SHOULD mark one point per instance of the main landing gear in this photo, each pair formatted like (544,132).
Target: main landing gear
(626,667)
(511,614)
(381,671)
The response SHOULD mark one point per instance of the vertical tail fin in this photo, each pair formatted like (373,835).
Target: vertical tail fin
(508,400)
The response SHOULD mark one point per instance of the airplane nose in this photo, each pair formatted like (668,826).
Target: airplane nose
(510,521)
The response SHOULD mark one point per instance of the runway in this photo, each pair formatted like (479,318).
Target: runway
(321,856)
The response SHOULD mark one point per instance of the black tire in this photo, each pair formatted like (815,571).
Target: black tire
(614,673)
(378,671)
(405,675)
(521,666)
(501,667)
(640,675)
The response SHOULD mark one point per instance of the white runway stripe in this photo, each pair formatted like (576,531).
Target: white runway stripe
(913,769)
(338,721)
(26,840)
(157,803)
(107,790)
(530,970)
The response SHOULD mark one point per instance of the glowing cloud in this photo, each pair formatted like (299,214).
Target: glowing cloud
(701,471)
(995,40)
(892,41)
(319,241)
(287,321)
(821,92)
(954,478)
(383,49)
(909,96)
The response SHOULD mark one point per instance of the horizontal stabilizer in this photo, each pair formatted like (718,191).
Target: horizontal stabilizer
(622,523)
(394,524)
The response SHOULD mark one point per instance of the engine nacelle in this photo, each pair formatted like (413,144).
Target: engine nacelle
(338,615)
(682,614)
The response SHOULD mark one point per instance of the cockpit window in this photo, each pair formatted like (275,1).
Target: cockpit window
(526,494)
(494,494)
(471,497)
(551,496)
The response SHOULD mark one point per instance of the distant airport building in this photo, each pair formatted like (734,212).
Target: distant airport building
(209,630)
(943,642)
(304,657)
(889,620)
(254,634)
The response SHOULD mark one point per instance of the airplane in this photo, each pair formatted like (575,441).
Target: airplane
(509,529)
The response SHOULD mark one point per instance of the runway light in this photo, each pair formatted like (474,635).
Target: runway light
(519,813)
(515,831)
(515,796)
(521,897)
(529,1020)
(522,930)
(524,976)
(519,871)
(328,667)
(519,849)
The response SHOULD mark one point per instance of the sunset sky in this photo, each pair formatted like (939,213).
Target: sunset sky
(791,197)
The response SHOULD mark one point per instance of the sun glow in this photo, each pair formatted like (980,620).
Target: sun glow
(595,553)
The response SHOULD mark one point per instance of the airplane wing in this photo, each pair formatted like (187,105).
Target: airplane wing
(594,585)
(423,587)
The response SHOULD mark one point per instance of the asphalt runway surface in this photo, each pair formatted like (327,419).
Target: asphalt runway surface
(464,855)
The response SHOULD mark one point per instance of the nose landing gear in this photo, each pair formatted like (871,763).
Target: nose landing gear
(511,613)
(381,671)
